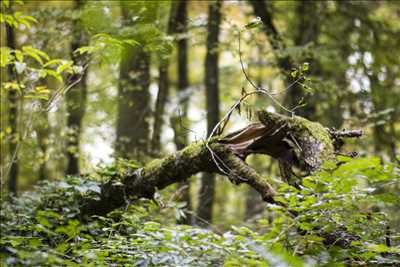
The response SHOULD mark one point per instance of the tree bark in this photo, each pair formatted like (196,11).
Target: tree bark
(133,97)
(42,132)
(179,123)
(207,189)
(76,99)
(163,86)
(253,205)
(12,117)
(162,98)
(160,173)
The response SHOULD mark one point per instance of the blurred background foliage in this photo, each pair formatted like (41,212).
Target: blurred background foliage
(84,83)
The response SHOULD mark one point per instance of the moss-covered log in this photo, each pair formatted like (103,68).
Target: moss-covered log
(177,167)
(294,141)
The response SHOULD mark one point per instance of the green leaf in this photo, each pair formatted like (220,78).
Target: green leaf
(54,74)
(131,42)
(32,54)
(86,49)
(35,53)
(305,67)
(342,158)
(18,55)
(254,23)
(35,242)
(380,248)
(15,240)
(53,62)
(65,65)
(31,19)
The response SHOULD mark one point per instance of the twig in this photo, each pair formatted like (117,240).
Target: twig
(265,91)
(345,133)
(65,89)
(225,119)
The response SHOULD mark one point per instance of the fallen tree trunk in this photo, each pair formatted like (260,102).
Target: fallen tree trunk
(293,141)
(177,167)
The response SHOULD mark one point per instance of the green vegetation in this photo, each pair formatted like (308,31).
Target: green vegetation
(44,227)
(111,109)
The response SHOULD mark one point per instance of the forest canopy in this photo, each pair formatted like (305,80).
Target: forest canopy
(200,133)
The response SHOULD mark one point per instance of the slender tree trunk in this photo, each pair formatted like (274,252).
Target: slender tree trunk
(179,122)
(393,140)
(162,98)
(12,118)
(163,87)
(134,110)
(253,205)
(207,189)
(380,136)
(76,99)
(181,134)
(177,24)
(43,131)
(384,134)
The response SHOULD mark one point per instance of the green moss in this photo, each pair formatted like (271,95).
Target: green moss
(154,164)
(314,129)
(193,149)
(313,138)
(321,149)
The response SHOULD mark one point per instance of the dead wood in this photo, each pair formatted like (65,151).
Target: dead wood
(294,141)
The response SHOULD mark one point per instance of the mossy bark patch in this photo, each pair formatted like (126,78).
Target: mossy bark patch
(309,142)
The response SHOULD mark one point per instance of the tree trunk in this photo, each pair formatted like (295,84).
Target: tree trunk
(253,205)
(162,98)
(12,118)
(42,132)
(226,156)
(207,189)
(133,99)
(180,123)
(382,138)
(76,99)
(163,87)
